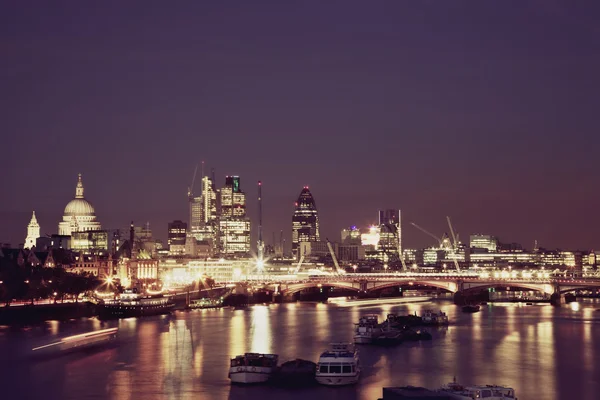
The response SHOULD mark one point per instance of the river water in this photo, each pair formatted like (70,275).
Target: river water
(543,352)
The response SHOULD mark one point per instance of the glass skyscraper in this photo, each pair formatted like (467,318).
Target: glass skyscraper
(305,222)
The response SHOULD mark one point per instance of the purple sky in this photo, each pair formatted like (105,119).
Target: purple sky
(484,111)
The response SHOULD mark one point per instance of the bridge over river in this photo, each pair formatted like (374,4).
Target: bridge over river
(461,284)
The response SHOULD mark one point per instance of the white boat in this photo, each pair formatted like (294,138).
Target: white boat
(431,317)
(366,329)
(78,342)
(490,392)
(338,366)
(252,367)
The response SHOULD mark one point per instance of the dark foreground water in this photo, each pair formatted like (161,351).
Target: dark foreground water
(543,352)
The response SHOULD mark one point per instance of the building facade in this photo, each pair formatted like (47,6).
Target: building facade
(305,221)
(176,237)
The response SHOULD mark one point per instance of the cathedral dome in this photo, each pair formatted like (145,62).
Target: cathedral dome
(79,214)
(79,207)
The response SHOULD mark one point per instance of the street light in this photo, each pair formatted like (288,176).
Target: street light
(354,267)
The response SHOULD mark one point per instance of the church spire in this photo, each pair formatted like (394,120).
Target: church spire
(79,189)
(33,220)
(33,232)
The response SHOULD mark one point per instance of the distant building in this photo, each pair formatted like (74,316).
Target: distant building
(92,241)
(234,236)
(305,222)
(390,232)
(350,252)
(487,242)
(79,214)
(351,235)
(176,237)
(232,198)
(33,232)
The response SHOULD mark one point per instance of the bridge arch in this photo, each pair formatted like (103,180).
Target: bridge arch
(297,287)
(538,287)
(448,286)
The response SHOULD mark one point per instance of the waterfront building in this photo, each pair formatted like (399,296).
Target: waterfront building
(33,232)
(305,221)
(490,243)
(79,214)
(176,237)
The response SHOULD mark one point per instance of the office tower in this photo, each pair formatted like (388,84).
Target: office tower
(233,199)
(390,231)
(305,222)
(176,237)
(234,226)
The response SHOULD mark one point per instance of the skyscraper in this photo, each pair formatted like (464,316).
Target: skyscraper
(33,232)
(390,234)
(305,222)
(234,225)
(233,199)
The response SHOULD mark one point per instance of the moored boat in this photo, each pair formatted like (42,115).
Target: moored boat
(252,367)
(431,317)
(131,304)
(491,392)
(338,366)
(366,329)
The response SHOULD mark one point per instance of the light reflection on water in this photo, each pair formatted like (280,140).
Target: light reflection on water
(541,351)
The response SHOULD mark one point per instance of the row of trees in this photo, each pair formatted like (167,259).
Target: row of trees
(29,283)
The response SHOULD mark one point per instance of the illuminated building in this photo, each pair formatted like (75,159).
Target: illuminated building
(390,231)
(351,235)
(233,199)
(305,222)
(234,236)
(176,237)
(209,201)
(370,238)
(33,232)
(79,214)
(90,241)
(196,221)
(233,226)
(484,242)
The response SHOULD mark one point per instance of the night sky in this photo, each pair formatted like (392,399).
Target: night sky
(484,111)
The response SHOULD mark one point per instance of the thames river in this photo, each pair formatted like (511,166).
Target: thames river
(541,351)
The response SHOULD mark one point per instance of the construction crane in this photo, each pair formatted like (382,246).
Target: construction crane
(299,264)
(427,233)
(335,261)
(454,245)
(191,187)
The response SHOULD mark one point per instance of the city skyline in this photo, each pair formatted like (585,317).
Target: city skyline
(229,183)
(483,112)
